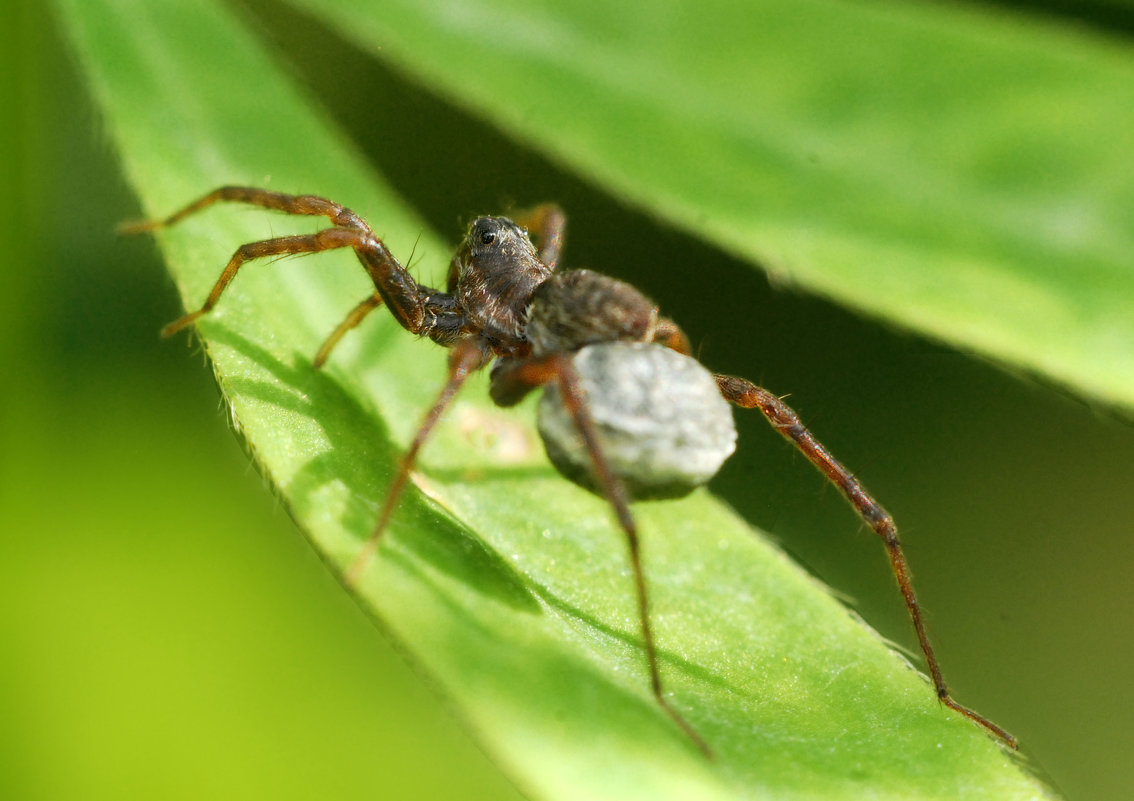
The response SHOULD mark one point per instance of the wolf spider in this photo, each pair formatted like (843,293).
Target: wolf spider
(505,300)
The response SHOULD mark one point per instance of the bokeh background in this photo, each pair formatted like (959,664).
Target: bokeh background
(166,633)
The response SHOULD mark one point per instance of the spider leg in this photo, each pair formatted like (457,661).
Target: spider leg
(548,224)
(419,309)
(328,239)
(466,356)
(291,204)
(668,334)
(509,385)
(355,317)
(749,396)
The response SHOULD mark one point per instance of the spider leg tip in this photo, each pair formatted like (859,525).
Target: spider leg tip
(131,227)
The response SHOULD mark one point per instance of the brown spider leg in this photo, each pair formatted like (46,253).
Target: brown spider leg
(419,309)
(291,204)
(511,384)
(668,334)
(328,239)
(549,225)
(355,317)
(465,357)
(749,396)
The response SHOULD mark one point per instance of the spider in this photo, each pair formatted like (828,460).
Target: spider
(506,301)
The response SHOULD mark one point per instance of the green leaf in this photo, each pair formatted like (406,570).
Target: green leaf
(505,585)
(962,174)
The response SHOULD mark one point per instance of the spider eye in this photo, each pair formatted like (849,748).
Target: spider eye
(487,238)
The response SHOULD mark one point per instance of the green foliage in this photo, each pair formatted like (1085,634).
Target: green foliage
(963,176)
(505,584)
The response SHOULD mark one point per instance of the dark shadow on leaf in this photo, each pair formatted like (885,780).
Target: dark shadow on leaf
(358,440)
(630,637)
(666,658)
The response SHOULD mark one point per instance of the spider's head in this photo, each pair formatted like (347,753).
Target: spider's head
(493,274)
(495,246)
(492,235)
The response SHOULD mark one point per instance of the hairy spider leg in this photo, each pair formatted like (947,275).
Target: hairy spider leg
(327,239)
(356,316)
(511,384)
(312,205)
(669,335)
(747,395)
(420,310)
(466,356)
(548,224)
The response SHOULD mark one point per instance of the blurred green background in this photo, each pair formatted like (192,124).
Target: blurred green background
(166,633)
